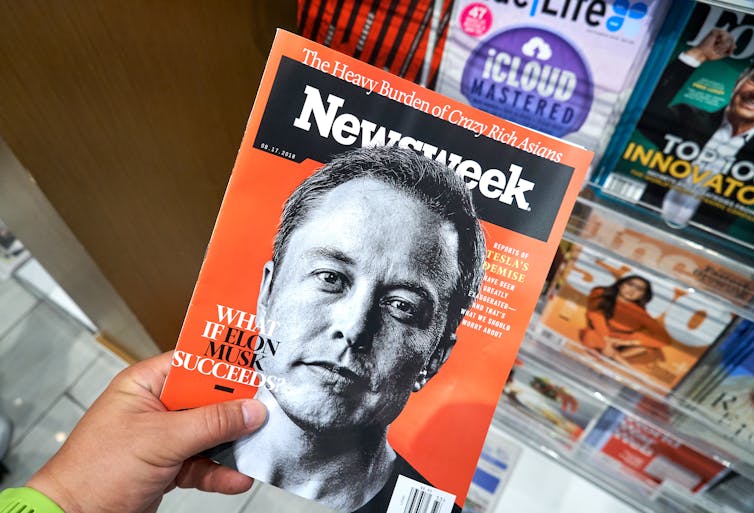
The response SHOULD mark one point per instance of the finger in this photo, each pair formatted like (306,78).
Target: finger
(208,476)
(207,426)
(147,375)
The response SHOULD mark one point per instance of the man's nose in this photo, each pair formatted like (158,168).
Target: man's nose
(352,318)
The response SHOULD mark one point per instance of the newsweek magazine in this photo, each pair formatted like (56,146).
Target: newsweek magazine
(378,313)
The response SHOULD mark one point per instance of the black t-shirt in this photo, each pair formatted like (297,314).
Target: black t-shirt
(380,502)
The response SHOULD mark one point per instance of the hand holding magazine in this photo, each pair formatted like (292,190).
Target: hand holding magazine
(374,265)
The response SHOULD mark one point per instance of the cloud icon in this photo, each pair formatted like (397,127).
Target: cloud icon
(537,47)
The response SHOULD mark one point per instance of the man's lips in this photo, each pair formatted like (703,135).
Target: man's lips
(337,370)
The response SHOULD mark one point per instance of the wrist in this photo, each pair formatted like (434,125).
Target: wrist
(693,57)
(49,486)
(27,500)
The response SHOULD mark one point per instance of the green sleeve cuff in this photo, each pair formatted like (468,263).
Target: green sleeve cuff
(26,500)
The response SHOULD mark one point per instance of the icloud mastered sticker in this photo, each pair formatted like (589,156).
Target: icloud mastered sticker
(532,77)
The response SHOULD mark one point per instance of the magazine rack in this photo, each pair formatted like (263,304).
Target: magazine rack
(607,225)
(586,463)
(628,234)
(669,414)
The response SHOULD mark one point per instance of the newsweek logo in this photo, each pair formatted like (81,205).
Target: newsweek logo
(313,115)
(347,129)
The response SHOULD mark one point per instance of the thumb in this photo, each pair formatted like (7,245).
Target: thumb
(204,427)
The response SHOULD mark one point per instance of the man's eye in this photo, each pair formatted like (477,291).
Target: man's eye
(330,280)
(401,309)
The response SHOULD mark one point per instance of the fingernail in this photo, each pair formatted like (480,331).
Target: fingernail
(254,413)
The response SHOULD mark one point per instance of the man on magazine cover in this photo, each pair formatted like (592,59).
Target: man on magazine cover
(723,136)
(377,256)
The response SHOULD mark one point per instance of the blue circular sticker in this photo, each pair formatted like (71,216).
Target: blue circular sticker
(532,77)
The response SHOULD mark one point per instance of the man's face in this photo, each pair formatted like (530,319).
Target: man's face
(360,299)
(741,106)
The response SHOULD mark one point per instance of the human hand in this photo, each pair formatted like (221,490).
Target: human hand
(716,45)
(624,342)
(128,450)
(610,342)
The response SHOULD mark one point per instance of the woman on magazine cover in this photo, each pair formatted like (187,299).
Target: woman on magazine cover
(618,325)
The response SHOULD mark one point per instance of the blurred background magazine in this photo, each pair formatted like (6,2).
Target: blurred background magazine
(653,456)
(722,389)
(496,464)
(542,64)
(542,397)
(689,161)
(396,36)
(631,320)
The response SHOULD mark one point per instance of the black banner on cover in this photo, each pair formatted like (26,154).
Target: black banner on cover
(527,210)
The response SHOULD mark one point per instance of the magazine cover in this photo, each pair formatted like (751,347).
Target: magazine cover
(718,362)
(372,271)
(443,10)
(632,321)
(496,464)
(726,396)
(631,241)
(544,398)
(652,456)
(394,36)
(690,159)
(542,64)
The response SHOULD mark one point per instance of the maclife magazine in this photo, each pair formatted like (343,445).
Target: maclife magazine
(376,259)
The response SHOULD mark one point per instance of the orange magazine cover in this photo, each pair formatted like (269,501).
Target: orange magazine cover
(374,265)
(631,321)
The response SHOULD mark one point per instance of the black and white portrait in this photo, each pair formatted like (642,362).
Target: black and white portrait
(377,256)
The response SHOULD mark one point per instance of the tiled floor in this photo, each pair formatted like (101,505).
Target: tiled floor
(51,370)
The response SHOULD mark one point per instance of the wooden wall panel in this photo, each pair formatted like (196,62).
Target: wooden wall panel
(24,207)
(129,115)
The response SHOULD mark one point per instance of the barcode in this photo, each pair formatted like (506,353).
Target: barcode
(410,496)
(419,501)
(624,187)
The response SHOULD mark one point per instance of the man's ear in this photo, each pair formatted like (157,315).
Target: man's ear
(436,360)
(265,288)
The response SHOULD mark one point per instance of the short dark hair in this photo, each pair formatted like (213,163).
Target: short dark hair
(429,181)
